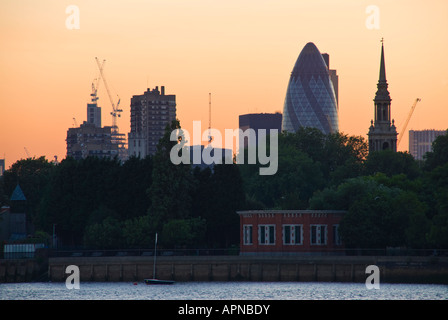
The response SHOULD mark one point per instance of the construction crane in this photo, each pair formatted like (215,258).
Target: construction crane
(115,110)
(27,153)
(95,87)
(407,120)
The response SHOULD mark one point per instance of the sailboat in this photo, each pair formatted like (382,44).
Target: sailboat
(155,280)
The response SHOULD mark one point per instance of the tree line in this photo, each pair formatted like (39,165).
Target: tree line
(390,198)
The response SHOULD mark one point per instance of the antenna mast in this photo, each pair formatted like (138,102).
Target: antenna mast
(210,138)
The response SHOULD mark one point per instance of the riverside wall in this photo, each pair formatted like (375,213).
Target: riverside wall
(20,270)
(253,268)
(231,268)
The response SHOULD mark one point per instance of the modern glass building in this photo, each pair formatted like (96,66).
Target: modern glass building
(310,98)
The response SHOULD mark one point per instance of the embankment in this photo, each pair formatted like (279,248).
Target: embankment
(21,270)
(252,268)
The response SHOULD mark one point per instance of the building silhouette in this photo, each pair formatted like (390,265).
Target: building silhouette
(94,114)
(420,141)
(2,166)
(197,156)
(13,224)
(150,113)
(333,77)
(259,121)
(310,97)
(382,133)
(90,140)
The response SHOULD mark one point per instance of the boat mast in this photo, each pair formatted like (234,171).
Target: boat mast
(155,257)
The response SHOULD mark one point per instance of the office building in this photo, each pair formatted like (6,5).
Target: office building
(420,141)
(259,121)
(90,140)
(310,97)
(94,114)
(333,77)
(208,156)
(150,114)
(382,132)
(2,166)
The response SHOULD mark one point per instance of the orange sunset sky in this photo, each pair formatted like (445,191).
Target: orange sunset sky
(242,51)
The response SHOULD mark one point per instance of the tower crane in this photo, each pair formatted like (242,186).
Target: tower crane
(115,110)
(407,120)
(94,93)
(27,153)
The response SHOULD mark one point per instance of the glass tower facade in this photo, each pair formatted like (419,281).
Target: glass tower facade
(310,98)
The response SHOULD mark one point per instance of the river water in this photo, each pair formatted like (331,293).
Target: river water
(221,291)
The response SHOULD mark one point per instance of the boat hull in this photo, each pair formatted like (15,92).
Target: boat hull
(157,281)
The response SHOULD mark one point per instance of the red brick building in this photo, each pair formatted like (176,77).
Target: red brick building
(289,231)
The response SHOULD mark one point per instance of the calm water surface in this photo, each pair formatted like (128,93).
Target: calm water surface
(221,291)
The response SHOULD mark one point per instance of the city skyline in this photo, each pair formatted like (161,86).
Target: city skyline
(241,52)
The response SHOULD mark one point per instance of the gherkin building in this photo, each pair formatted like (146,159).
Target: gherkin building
(310,98)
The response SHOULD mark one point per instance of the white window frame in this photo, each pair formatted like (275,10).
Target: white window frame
(247,234)
(264,233)
(293,234)
(318,235)
(336,236)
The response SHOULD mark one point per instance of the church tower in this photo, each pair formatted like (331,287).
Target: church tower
(382,133)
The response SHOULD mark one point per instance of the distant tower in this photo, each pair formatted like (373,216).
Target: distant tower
(94,114)
(93,111)
(151,112)
(420,141)
(382,133)
(333,77)
(2,166)
(257,121)
(310,99)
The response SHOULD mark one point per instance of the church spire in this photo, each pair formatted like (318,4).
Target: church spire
(382,93)
(382,131)
(382,64)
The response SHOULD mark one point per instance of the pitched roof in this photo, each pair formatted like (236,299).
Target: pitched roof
(18,195)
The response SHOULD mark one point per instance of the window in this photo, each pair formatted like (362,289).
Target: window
(292,234)
(266,234)
(336,237)
(319,234)
(247,234)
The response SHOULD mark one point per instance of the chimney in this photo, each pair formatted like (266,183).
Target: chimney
(163,90)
